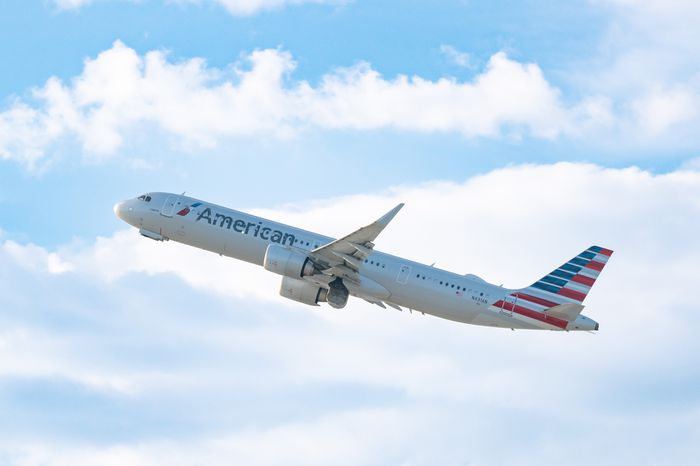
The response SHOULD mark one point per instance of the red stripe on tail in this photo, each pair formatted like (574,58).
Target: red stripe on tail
(523,311)
(572,294)
(588,281)
(595,265)
(535,299)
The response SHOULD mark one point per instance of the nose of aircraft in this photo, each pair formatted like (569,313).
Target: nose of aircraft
(119,210)
(124,210)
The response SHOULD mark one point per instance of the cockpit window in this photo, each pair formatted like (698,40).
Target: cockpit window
(145,198)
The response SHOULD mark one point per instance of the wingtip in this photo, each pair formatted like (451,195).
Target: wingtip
(386,218)
(398,207)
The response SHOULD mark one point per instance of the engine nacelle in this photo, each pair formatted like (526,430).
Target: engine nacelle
(287,261)
(302,291)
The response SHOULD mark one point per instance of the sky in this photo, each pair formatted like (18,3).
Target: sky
(518,133)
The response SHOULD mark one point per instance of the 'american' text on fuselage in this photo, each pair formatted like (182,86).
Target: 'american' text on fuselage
(247,228)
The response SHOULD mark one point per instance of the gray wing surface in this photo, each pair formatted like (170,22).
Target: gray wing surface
(342,257)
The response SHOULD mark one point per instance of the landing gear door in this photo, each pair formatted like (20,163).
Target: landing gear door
(404,272)
(169,206)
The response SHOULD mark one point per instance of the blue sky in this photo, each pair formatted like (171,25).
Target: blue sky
(517,132)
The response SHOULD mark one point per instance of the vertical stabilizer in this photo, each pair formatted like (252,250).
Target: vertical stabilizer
(571,282)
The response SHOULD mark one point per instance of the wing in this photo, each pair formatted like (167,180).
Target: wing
(342,257)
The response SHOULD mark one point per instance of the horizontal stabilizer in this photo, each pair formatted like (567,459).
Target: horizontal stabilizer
(568,312)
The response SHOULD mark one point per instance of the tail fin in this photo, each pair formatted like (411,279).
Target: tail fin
(571,282)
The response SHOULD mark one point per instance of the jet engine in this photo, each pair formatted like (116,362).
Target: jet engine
(302,291)
(287,261)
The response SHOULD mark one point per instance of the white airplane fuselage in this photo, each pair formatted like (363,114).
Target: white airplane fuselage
(401,282)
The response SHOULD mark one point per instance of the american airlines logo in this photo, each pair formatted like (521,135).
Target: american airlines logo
(256,229)
(187,209)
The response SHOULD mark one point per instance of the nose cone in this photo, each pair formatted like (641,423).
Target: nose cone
(125,211)
(119,210)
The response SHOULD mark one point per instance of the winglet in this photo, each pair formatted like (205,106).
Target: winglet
(358,243)
(389,216)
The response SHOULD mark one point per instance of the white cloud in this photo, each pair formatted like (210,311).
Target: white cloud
(648,43)
(377,436)
(647,62)
(23,134)
(455,56)
(121,91)
(418,388)
(659,110)
(234,7)
(692,164)
(639,90)
(250,7)
(34,257)
(71,4)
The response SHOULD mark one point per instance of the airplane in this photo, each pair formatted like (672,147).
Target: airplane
(319,269)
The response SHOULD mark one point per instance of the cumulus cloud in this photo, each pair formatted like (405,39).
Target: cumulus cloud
(647,61)
(545,215)
(658,110)
(646,43)
(36,258)
(121,91)
(162,331)
(234,7)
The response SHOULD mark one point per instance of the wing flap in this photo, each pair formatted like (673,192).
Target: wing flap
(342,258)
(343,272)
(352,262)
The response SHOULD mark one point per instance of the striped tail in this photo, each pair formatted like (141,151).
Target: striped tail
(571,282)
(556,299)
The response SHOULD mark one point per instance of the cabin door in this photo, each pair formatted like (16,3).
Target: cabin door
(404,272)
(169,206)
